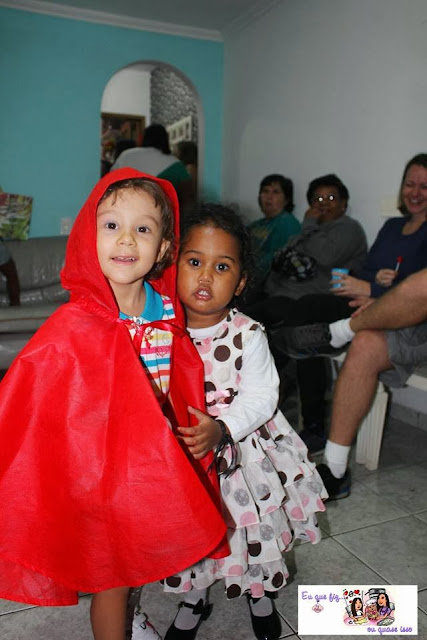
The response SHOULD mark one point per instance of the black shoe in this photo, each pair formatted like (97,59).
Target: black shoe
(337,488)
(203,610)
(314,438)
(265,627)
(308,341)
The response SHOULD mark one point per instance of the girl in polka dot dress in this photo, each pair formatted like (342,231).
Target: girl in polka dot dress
(269,488)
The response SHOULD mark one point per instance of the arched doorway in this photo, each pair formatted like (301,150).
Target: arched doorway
(144,93)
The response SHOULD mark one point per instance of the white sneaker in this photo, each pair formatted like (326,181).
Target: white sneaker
(142,629)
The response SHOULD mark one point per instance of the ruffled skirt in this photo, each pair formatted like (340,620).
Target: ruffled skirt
(268,502)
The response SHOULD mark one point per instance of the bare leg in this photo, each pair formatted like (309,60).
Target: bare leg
(356,384)
(404,306)
(108,614)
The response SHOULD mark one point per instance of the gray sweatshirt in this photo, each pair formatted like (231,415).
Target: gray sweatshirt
(339,243)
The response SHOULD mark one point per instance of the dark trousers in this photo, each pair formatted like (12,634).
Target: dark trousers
(312,373)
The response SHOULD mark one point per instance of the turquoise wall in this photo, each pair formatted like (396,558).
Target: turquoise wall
(53,73)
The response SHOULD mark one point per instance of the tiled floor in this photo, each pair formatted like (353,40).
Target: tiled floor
(376,536)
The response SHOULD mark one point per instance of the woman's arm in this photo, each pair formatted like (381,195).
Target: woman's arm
(333,243)
(350,287)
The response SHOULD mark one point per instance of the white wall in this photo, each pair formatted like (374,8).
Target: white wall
(128,91)
(319,86)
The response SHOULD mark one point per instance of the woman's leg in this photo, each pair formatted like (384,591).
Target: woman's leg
(322,307)
(108,614)
(313,382)
(271,311)
(314,373)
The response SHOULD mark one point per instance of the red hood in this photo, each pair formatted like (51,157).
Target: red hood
(82,274)
(84,440)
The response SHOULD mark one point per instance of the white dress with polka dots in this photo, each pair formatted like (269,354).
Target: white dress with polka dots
(272,497)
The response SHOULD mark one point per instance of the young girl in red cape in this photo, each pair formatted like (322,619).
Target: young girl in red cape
(96,493)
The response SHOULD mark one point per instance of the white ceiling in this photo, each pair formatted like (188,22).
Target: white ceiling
(213,16)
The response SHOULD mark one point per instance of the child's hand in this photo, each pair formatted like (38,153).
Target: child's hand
(203,437)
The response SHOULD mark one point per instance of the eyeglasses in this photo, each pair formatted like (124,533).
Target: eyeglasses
(320,199)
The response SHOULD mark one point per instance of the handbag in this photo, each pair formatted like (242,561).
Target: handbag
(294,265)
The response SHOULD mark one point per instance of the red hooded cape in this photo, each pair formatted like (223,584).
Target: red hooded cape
(95,490)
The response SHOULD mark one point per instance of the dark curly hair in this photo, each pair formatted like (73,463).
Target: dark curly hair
(330,180)
(161,200)
(221,217)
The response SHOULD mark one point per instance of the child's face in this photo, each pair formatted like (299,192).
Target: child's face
(129,238)
(209,275)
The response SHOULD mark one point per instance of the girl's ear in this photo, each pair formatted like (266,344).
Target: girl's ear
(164,246)
(240,286)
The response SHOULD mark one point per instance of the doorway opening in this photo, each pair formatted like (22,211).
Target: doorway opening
(151,92)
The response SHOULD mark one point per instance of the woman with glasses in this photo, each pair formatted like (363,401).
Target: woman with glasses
(328,237)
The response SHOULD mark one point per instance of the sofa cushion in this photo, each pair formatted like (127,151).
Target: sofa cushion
(25,318)
(38,262)
(11,347)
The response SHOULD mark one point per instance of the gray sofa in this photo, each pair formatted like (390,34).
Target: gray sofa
(38,262)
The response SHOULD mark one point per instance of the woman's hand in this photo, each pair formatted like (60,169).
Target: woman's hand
(203,437)
(313,213)
(385,277)
(350,287)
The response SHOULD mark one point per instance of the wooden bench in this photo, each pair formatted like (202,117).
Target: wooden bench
(369,436)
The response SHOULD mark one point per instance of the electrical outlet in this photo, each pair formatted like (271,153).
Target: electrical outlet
(66,224)
(388,206)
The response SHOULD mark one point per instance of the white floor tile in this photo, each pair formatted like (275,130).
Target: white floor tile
(396,550)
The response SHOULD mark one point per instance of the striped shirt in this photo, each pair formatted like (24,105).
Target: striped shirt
(156,343)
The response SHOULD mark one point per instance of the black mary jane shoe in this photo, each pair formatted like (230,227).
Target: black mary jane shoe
(265,627)
(203,610)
